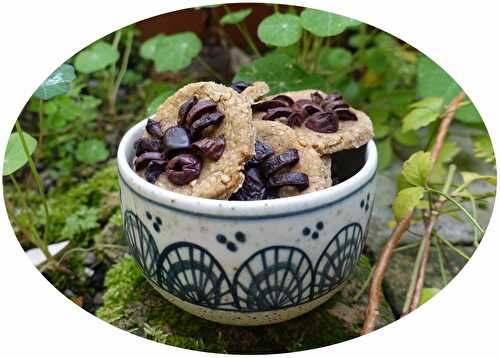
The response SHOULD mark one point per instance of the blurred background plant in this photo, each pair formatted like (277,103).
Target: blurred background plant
(70,128)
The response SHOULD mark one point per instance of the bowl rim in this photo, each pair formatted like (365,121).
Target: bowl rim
(224,209)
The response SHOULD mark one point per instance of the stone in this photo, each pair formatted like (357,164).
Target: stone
(399,270)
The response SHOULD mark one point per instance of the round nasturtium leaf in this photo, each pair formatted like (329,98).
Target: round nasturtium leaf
(96,57)
(235,17)
(91,151)
(58,83)
(280,73)
(323,24)
(334,58)
(280,30)
(432,80)
(15,157)
(150,46)
(176,52)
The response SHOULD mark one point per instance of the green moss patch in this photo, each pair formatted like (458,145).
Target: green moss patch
(132,304)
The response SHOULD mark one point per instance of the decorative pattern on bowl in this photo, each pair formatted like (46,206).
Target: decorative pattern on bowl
(245,263)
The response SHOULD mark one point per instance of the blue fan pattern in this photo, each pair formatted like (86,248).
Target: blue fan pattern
(272,278)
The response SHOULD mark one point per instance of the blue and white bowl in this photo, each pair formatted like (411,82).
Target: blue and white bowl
(245,263)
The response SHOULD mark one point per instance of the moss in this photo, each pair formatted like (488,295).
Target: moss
(132,304)
(98,195)
(121,282)
(160,336)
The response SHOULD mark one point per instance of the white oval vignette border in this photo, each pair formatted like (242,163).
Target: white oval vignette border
(37,36)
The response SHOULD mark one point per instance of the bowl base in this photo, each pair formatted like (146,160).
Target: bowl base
(241,318)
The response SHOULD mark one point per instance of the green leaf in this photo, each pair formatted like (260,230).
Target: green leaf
(356,40)
(235,17)
(401,183)
(176,52)
(381,129)
(15,158)
(483,149)
(448,151)
(150,47)
(80,221)
(58,83)
(60,111)
(323,24)
(417,168)
(280,30)
(131,78)
(469,177)
(406,200)
(151,109)
(409,138)
(334,58)
(433,81)
(418,118)
(391,102)
(385,153)
(431,103)
(280,73)
(468,114)
(97,57)
(291,51)
(427,294)
(91,151)
(376,60)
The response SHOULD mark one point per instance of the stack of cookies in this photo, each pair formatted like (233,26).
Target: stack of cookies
(235,143)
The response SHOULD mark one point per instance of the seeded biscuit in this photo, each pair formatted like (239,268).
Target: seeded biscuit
(351,134)
(280,137)
(256,91)
(218,179)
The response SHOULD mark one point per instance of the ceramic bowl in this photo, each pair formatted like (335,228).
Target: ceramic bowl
(245,263)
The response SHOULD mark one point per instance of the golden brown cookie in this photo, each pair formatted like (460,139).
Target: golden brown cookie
(351,134)
(218,179)
(281,137)
(256,91)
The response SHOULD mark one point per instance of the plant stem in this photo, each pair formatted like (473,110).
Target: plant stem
(452,247)
(209,69)
(306,43)
(474,215)
(276,8)
(34,237)
(317,44)
(429,224)
(38,180)
(406,247)
(386,253)
(460,206)
(123,66)
(244,32)
(112,74)
(116,41)
(41,133)
(444,277)
(365,285)
(485,195)
(414,276)
(250,41)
